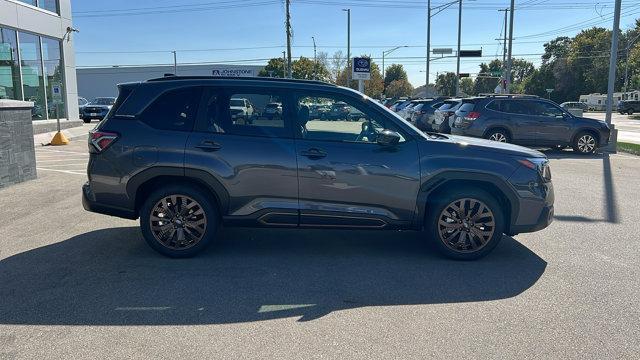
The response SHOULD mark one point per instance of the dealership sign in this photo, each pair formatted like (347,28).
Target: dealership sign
(231,72)
(361,68)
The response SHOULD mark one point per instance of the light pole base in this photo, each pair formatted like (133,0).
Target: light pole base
(612,147)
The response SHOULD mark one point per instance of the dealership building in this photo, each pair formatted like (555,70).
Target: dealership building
(37,61)
(96,82)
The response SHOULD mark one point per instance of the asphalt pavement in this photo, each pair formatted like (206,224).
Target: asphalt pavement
(79,285)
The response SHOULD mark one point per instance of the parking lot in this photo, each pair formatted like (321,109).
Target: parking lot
(69,278)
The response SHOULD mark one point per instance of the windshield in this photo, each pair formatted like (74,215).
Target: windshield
(236,102)
(103,101)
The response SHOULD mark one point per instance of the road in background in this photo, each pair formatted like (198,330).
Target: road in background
(75,284)
(628,128)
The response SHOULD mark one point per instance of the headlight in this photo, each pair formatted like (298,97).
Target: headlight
(539,164)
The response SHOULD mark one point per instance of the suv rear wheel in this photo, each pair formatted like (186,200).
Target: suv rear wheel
(466,224)
(499,135)
(630,112)
(178,221)
(585,143)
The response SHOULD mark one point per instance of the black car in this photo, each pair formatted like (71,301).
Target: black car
(170,154)
(628,106)
(528,120)
(97,109)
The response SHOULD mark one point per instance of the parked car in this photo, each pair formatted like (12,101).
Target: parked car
(443,116)
(422,117)
(628,106)
(170,154)
(529,120)
(273,111)
(575,105)
(339,111)
(82,102)
(242,110)
(405,111)
(401,104)
(319,111)
(97,109)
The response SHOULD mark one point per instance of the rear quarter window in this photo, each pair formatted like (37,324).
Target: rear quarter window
(173,110)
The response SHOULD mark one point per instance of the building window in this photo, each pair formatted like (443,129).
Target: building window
(32,77)
(9,66)
(54,72)
(51,5)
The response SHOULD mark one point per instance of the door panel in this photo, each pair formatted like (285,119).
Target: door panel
(253,158)
(359,180)
(345,178)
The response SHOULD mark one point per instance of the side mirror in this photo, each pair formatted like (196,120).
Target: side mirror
(388,138)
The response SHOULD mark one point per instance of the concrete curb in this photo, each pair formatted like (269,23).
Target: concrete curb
(71,133)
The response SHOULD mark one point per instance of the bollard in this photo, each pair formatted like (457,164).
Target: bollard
(59,138)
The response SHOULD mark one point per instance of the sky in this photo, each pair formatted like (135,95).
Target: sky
(124,32)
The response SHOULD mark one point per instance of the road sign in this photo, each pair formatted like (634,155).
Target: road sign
(361,68)
(463,75)
(442,51)
(471,53)
(56,93)
(549,90)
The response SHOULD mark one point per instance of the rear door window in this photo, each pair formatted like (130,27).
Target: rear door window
(173,110)
(515,107)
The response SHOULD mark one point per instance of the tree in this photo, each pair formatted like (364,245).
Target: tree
(305,68)
(274,68)
(399,88)
(466,86)
(446,84)
(484,85)
(394,72)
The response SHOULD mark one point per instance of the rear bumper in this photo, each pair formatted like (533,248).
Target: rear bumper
(89,203)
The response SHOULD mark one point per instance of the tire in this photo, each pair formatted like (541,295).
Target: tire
(86,121)
(585,143)
(465,240)
(499,135)
(630,112)
(195,237)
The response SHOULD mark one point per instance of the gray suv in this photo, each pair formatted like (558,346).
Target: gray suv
(528,120)
(171,153)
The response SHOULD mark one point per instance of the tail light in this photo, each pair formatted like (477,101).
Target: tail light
(471,116)
(100,140)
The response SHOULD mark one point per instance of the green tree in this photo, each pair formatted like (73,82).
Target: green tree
(305,68)
(274,68)
(484,85)
(394,72)
(466,86)
(446,84)
(399,88)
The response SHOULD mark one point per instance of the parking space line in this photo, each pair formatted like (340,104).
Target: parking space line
(59,151)
(64,171)
(59,160)
(72,164)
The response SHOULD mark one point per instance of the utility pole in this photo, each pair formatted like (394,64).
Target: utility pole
(508,74)
(613,58)
(315,60)
(504,50)
(459,39)
(284,64)
(348,46)
(426,88)
(175,63)
(288,25)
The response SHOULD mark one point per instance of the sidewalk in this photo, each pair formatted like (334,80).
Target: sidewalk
(71,133)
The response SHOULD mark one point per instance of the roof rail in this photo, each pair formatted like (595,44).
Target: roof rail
(171,77)
(508,95)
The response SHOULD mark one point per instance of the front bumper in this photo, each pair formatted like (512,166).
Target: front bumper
(544,220)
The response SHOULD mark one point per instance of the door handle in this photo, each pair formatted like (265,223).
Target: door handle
(314,153)
(208,145)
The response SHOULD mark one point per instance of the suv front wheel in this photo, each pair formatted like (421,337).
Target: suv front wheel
(466,224)
(585,143)
(178,221)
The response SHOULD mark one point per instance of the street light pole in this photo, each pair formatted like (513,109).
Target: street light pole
(459,39)
(175,63)
(426,87)
(613,58)
(348,46)
(508,75)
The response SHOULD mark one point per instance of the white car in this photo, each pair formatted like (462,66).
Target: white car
(241,110)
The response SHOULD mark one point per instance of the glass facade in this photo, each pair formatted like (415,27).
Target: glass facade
(9,66)
(30,67)
(51,5)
